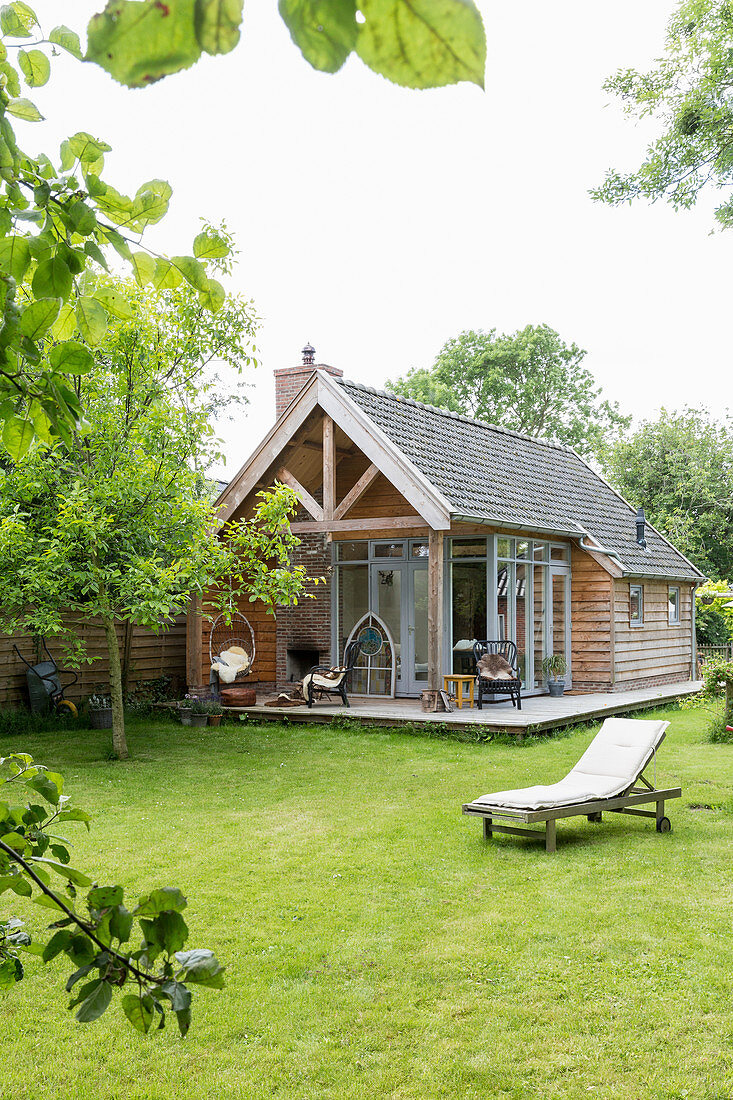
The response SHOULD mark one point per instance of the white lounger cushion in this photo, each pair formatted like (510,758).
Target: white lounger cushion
(614,759)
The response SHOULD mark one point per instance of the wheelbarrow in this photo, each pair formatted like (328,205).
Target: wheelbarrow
(45,689)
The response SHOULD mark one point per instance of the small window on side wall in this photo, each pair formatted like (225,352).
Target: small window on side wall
(636,604)
(673,606)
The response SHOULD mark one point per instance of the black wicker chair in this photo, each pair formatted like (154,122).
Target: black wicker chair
(337,686)
(508,651)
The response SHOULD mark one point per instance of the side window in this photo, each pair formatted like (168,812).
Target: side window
(673,606)
(636,604)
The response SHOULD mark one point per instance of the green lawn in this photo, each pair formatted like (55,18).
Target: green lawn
(375,946)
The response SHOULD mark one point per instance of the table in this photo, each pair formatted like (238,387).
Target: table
(460,683)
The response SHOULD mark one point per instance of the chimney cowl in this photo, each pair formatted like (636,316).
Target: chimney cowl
(309,355)
(640,528)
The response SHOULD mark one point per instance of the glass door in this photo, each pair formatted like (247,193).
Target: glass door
(399,595)
(559,616)
(416,670)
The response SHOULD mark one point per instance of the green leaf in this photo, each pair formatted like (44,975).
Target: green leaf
(168,931)
(210,246)
(151,203)
(65,324)
(9,973)
(217,24)
(423,43)
(212,297)
(143,267)
(160,901)
(325,32)
(86,148)
(67,39)
(38,317)
(95,1003)
(201,966)
(138,42)
(77,877)
(193,271)
(75,815)
(71,357)
(91,317)
(115,303)
(24,109)
(35,66)
(50,785)
(16,841)
(180,997)
(47,903)
(52,279)
(167,276)
(140,1011)
(104,897)
(15,255)
(83,218)
(95,253)
(56,944)
(17,20)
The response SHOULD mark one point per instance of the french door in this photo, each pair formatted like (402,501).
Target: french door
(399,595)
(558,617)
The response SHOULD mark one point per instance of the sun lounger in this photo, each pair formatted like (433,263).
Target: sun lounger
(608,777)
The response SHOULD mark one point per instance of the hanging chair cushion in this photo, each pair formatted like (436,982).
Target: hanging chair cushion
(230,662)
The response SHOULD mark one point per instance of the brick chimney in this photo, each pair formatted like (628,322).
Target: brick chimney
(289,381)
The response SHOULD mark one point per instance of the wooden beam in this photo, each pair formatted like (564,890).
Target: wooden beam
(357,492)
(378,523)
(329,467)
(435,609)
(194,642)
(312,506)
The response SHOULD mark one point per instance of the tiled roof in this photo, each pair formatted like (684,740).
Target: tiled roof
(489,473)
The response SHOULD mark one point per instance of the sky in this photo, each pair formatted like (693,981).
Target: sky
(377,222)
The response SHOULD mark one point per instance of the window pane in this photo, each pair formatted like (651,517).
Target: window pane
(636,603)
(352,551)
(674,605)
(389,605)
(504,573)
(522,550)
(505,548)
(559,553)
(540,551)
(469,612)
(419,550)
(521,619)
(389,550)
(540,574)
(468,548)
(353,600)
(420,634)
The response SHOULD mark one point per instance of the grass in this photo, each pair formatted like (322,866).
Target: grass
(376,947)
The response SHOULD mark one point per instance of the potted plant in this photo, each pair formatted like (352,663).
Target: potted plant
(185,709)
(215,712)
(199,712)
(555,666)
(100,711)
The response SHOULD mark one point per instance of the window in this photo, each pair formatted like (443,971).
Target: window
(673,606)
(468,548)
(352,551)
(636,604)
(389,550)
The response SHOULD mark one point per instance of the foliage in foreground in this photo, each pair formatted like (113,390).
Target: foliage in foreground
(154,977)
(688,93)
(679,467)
(714,613)
(530,381)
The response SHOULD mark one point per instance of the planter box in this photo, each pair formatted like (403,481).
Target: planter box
(185,713)
(101,719)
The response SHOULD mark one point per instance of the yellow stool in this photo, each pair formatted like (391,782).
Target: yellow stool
(460,683)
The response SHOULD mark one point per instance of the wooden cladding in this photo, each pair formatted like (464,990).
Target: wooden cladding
(591,636)
(151,656)
(657,648)
(264,627)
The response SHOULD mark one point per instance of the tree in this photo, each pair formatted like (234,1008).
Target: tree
(689,94)
(118,523)
(97,942)
(714,613)
(529,381)
(679,468)
(416,43)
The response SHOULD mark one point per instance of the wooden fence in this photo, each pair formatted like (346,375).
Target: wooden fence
(148,657)
(725,651)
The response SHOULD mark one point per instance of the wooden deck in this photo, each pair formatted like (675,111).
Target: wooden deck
(539,712)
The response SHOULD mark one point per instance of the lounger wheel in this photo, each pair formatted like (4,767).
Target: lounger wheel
(664,825)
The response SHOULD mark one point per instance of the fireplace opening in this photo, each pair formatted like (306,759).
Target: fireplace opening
(299,662)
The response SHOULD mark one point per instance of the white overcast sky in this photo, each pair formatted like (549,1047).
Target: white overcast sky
(377,223)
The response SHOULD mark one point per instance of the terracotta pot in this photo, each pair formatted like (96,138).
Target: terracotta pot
(215,719)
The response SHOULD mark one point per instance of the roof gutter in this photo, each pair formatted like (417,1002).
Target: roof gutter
(502,525)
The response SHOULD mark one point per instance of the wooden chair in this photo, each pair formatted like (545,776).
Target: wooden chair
(508,651)
(324,680)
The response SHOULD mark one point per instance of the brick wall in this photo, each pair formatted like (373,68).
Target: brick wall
(307,625)
(289,381)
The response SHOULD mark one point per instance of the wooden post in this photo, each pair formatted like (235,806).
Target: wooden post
(329,468)
(194,640)
(435,610)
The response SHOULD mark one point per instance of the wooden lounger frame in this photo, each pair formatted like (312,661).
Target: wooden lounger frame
(625,803)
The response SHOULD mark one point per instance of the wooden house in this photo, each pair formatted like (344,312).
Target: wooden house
(434,530)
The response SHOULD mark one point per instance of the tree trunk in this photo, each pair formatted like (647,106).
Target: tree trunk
(119,742)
